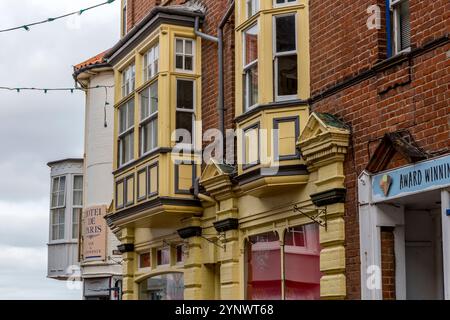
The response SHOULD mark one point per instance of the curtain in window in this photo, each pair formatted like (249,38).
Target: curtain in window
(302,263)
(78,191)
(264,267)
(163,287)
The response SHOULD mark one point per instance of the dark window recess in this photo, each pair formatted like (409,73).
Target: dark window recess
(285,33)
(185,94)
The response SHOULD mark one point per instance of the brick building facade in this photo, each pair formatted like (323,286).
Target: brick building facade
(391,96)
(352,78)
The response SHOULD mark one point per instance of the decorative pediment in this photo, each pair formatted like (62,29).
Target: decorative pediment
(401,143)
(216,179)
(214,169)
(324,138)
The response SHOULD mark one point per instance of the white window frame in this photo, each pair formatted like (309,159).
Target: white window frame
(152,117)
(247,68)
(124,134)
(255,8)
(284,4)
(128,80)
(58,208)
(151,62)
(276,55)
(77,190)
(75,231)
(183,259)
(139,261)
(192,111)
(396,32)
(76,207)
(60,225)
(184,55)
(57,193)
(166,264)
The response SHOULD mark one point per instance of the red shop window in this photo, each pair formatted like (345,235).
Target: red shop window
(264,267)
(302,263)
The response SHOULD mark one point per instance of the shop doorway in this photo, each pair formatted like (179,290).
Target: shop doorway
(423,248)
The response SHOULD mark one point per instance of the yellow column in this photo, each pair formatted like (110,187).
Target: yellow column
(230,267)
(127,237)
(193,270)
(324,153)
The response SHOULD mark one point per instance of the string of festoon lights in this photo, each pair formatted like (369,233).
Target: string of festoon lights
(28,26)
(71,90)
(46,90)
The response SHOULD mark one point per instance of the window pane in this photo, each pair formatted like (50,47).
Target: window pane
(54,200)
(55,234)
(123,119)
(285,29)
(302,263)
(179,62)
(287,75)
(188,49)
(61,192)
(61,231)
(185,94)
(129,142)
(150,135)
(163,287)
(55,185)
(405,28)
(251,86)
(188,63)
(154,98)
(130,113)
(149,101)
(184,121)
(179,46)
(127,147)
(163,256)
(77,198)
(251,45)
(180,255)
(62,184)
(144,260)
(145,104)
(75,222)
(78,182)
(154,134)
(263,266)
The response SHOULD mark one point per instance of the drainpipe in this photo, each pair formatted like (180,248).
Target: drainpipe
(219,41)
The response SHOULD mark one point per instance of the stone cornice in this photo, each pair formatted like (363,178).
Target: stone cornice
(324,148)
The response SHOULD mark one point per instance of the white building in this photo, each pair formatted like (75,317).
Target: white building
(101,268)
(413,202)
(66,205)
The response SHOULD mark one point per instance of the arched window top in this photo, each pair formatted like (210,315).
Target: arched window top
(167,286)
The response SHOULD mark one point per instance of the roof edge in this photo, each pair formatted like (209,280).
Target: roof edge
(52,163)
(153,13)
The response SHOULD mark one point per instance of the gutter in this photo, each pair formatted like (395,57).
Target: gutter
(219,41)
(154,12)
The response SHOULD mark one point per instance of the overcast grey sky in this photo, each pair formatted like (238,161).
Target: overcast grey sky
(36,128)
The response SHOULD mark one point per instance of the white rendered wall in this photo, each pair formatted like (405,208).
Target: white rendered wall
(98,182)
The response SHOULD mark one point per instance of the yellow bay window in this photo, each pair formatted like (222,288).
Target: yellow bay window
(272,85)
(158,91)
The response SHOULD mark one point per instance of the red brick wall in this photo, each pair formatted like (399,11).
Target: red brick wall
(388,263)
(412,94)
(137,10)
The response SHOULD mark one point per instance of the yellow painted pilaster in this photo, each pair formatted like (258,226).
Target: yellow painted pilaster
(127,237)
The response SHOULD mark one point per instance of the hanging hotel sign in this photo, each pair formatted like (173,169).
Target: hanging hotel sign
(423,176)
(94,233)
